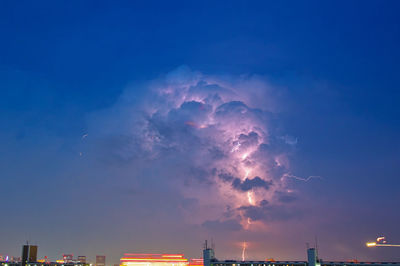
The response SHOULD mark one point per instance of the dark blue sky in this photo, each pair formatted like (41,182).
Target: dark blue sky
(334,67)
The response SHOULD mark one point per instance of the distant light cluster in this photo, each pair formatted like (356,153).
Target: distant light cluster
(158,260)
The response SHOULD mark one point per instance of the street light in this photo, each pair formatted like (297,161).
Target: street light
(380,242)
(374,244)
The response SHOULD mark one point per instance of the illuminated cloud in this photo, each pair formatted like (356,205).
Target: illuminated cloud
(212,140)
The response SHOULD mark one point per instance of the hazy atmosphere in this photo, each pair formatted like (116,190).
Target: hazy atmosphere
(130,126)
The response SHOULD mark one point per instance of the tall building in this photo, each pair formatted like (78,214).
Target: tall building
(29,254)
(33,253)
(24,256)
(100,260)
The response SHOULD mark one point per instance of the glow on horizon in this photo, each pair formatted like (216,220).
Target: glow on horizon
(158,260)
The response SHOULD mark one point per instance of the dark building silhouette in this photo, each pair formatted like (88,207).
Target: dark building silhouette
(25,253)
(29,254)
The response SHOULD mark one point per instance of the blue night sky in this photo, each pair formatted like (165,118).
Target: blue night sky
(130,126)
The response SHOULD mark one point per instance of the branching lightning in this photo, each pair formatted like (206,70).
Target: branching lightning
(302,178)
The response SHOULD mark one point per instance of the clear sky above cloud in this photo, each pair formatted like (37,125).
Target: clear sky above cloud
(150,127)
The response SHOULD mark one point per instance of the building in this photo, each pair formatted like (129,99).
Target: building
(100,260)
(196,262)
(81,259)
(32,253)
(29,258)
(29,254)
(10,263)
(68,258)
(312,260)
(154,260)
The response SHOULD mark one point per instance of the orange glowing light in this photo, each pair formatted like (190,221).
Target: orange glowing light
(381,240)
(154,259)
(373,244)
(353,261)
(196,262)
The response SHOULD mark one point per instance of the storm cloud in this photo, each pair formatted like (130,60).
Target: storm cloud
(249,184)
(210,139)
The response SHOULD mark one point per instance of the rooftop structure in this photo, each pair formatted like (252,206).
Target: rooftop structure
(29,258)
(312,260)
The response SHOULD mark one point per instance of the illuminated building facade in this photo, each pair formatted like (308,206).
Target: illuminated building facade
(196,262)
(11,263)
(154,260)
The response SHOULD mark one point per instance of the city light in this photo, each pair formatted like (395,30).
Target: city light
(196,262)
(381,242)
(374,244)
(130,259)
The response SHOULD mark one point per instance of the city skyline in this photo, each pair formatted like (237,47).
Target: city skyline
(148,127)
(29,257)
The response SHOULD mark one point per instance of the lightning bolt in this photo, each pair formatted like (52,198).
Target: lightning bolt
(244,250)
(250,197)
(302,178)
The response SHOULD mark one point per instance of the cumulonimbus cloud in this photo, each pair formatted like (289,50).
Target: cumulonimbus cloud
(214,138)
